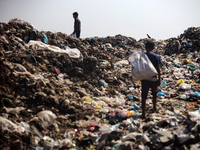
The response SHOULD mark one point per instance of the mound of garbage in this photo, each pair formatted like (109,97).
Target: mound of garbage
(58,92)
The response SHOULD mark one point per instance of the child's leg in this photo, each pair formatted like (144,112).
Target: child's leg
(154,93)
(145,89)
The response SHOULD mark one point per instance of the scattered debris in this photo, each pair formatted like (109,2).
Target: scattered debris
(58,92)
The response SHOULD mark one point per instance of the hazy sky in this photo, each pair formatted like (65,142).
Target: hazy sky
(161,19)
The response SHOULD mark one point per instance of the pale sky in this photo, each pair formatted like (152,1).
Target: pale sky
(161,19)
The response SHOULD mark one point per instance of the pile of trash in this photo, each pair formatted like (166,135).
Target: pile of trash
(188,41)
(58,92)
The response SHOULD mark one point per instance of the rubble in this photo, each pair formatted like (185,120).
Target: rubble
(58,92)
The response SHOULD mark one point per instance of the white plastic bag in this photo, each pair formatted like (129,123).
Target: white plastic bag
(185,86)
(118,101)
(142,68)
(101,103)
(131,136)
(15,110)
(105,128)
(9,126)
(72,52)
(45,119)
(20,21)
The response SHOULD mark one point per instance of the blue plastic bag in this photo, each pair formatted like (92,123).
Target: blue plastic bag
(135,107)
(195,93)
(130,97)
(161,94)
(61,45)
(44,38)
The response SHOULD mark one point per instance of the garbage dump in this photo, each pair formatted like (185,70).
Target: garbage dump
(58,92)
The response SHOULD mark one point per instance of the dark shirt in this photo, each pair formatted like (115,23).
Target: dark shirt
(155,59)
(77,21)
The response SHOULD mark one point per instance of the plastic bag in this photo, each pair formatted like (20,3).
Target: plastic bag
(107,128)
(72,52)
(101,103)
(161,94)
(69,134)
(44,38)
(45,119)
(103,98)
(9,126)
(15,110)
(20,21)
(142,68)
(185,86)
(122,63)
(65,142)
(180,81)
(122,114)
(132,128)
(131,136)
(73,35)
(187,61)
(118,101)
(195,93)
(103,83)
(50,144)
(195,115)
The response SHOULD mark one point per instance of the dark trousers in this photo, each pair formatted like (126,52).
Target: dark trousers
(146,85)
(78,34)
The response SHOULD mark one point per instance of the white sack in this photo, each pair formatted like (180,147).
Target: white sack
(142,68)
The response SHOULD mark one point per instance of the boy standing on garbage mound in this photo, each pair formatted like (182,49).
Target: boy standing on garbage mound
(77,25)
(153,82)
